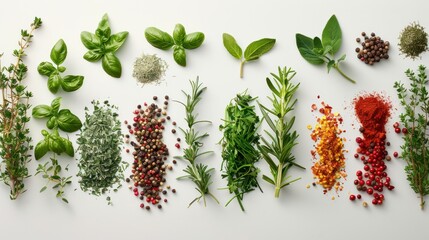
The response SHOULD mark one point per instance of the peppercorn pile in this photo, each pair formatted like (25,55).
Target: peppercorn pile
(373,49)
(150,154)
(330,166)
(373,111)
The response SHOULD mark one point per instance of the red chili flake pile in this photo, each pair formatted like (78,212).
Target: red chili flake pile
(373,111)
(330,148)
(150,154)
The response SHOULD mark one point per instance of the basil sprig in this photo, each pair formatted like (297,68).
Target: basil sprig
(103,45)
(68,83)
(254,51)
(319,51)
(179,41)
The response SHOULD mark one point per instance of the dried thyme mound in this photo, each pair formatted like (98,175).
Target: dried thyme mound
(413,40)
(100,165)
(149,69)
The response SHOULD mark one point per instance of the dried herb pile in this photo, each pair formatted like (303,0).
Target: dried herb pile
(413,41)
(149,69)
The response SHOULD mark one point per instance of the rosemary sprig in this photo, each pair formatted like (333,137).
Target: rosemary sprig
(14,138)
(200,174)
(284,139)
(415,148)
(239,147)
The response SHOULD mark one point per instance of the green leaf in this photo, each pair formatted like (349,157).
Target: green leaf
(43,189)
(112,65)
(41,149)
(41,111)
(317,43)
(65,200)
(158,38)
(68,147)
(116,41)
(179,34)
(271,86)
(305,47)
(193,40)
(68,122)
(90,40)
(46,69)
(61,69)
(332,35)
(269,180)
(54,83)
(179,55)
(59,52)
(55,105)
(231,46)
(55,144)
(330,64)
(71,83)
(257,48)
(52,122)
(103,31)
(92,56)
(342,58)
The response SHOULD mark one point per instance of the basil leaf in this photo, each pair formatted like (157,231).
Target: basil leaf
(61,69)
(69,150)
(41,111)
(179,34)
(92,56)
(317,43)
(231,46)
(41,149)
(112,65)
(52,122)
(55,105)
(258,48)
(179,55)
(90,40)
(54,83)
(71,83)
(46,69)
(331,34)
(305,47)
(59,52)
(158,38)
(116,41)
(55,144)
(193,40)
(103,31)
(67,121)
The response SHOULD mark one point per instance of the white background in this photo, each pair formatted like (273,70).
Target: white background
(299,213)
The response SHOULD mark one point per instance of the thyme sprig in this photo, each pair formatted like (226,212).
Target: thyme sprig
(284,139)
(415,148)
(14,138)
(200,174)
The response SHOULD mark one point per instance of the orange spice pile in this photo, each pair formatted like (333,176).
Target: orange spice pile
(329,148)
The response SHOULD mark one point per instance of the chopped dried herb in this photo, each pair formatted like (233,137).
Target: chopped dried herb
(413,41)
(149,69)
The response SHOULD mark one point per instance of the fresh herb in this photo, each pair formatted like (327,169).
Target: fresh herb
(253,52)
(284,139)
(149,69)
(68,83)
(100,165)
(239,147)
(413,40)
(200,174)
(14,138)
(103,45)
(318,52)
(415,148)
(179,42)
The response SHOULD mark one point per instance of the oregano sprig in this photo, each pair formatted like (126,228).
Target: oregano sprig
(199,173)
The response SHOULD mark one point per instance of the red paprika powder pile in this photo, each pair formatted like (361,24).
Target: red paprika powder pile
(373,111)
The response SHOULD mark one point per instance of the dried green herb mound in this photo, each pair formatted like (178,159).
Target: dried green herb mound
(100,165)
(149,69)
(413,41)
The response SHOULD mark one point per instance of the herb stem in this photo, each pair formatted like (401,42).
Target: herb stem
(278,181)
(343,74)
(241,68)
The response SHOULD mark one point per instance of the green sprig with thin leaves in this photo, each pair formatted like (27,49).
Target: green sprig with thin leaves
(200,174)
(415,148)
(278,152)
(239,147)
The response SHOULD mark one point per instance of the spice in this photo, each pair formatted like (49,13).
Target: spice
(149,69)
(373,111)
(100,164)
(415,148)
(330,167)
(373,49)
(413,41)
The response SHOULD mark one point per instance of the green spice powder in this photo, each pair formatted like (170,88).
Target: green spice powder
(149,69)
(413,41)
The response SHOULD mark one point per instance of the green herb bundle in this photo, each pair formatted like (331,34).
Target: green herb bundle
(100,165)
(284,139)
(415,150)
(14,136)
(200,174)
(239,147)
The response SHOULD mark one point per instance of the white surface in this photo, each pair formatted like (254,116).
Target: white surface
(300,213)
